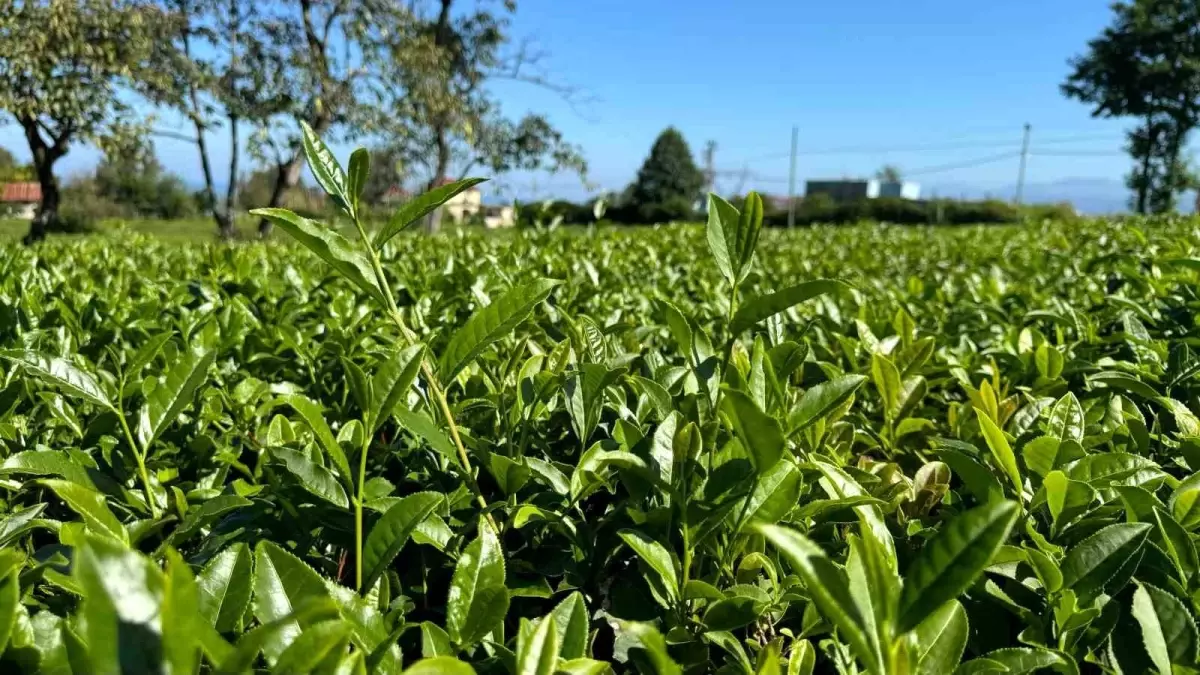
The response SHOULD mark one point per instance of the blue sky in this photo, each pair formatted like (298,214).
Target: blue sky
(934,78)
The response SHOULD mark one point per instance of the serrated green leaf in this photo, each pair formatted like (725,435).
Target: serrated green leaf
(323,164)
(822,399)
(491,323)
(224,588)
(330,246)
(389,534)
(656,556)
(941,639)
(537,650)
(478,599)
(761,434)
(62,374)
(1168,629)
(91,506)
(951,561)
(1090,564)
(761,307)
(392,382)
(283,584)
(1002,452)
(827,586)
(173,393)
(421,206)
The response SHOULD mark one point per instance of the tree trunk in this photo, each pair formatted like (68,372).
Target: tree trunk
(286,177)
(1144,187)
(44,157)
(441,38)
(433,222)
(46,217)
(224,226)
(231,187)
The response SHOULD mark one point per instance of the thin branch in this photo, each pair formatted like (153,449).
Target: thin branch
(524,65)
(174,135)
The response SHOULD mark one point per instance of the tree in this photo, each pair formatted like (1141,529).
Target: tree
(669,184)
(237,75)
(889,173)
(67,76)
(450,122)
(389,170)
(11,171)
(1146,65)
(345,63)
(138,181)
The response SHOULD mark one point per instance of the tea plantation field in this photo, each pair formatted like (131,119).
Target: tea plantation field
(657,450)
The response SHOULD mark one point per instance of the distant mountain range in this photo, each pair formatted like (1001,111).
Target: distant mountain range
(1095,196)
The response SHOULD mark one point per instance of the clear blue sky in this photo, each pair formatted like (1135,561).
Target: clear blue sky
(871,74)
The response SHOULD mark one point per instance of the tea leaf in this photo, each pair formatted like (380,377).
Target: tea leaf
(492,323)
(950,562)
(390,532)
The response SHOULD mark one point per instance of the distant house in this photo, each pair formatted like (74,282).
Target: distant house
(464,205)
(20,200)
(867,188)
(468,205)
(498,216)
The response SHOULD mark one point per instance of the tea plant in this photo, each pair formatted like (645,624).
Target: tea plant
(665,450)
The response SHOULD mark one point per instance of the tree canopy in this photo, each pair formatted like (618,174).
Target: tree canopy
(669,184)
(71,73)
(1146,65)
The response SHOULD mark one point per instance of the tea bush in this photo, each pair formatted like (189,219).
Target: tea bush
(885,450)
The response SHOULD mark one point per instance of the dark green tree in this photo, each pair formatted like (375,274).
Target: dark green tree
(137,181)
(669,184)
(1146,65)
(71,72)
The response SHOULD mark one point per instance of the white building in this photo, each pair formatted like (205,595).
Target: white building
(20,200)
(468,205)
(866,188)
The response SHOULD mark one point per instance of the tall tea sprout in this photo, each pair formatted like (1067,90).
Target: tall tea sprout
(360,263)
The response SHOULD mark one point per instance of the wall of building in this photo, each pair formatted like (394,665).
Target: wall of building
(853,190)
(464,205)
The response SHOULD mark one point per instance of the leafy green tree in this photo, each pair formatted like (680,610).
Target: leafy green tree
(345,71)
(450,122)
(1146,65)
(71,72)
(139,182)
(669,184)
(235,79)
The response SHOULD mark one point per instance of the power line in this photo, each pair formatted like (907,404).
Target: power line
(1014,143)
(967,164)
(1082,153)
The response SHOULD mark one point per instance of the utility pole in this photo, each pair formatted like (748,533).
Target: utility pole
(742,180)
(710,171)
(1021,169)
(792,179)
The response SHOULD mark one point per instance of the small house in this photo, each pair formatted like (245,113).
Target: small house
(20,200)
(464,205)
(495,217)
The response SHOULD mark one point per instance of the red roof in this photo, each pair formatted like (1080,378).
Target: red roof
(21,192)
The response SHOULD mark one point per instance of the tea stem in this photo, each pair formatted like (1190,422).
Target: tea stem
(435,386)
(358,513)
(141,461)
